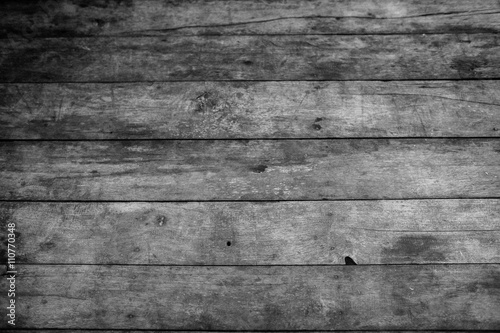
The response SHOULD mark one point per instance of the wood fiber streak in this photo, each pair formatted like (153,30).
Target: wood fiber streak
(250,233)
(205,58)
(430,297)
(155,17)
(250,170)
(209,110)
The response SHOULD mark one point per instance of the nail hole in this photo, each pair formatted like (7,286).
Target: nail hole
(160,219)
(228,243)
(259,168)
(317,127)
(349,261)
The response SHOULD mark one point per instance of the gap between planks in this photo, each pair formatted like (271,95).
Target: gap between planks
(244,139)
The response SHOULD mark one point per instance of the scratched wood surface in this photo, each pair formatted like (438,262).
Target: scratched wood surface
(156,17)
(162,170)
(260,298)
(314,57)
(251,233)
(367,132)
(185,110)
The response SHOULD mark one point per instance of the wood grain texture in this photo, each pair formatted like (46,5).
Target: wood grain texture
(208,110)
(259,298)
(250,169)
(250,233)
(156,17)
(125,59)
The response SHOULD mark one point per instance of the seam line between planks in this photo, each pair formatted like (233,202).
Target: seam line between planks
(265,139)
(259,80)
(244,80)
(170,33)
(255,265)
(242,201)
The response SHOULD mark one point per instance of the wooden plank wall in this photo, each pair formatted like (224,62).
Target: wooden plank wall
(251,166)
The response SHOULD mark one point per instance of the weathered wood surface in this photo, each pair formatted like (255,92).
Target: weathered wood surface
(162,170)
(125,59)
(423,297)
(250,233)
(156,17)
(250,110)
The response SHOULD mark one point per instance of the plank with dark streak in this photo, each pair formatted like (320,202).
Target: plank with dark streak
(209,110)
(156,17)
(407,297)
(251,233)
(162,170)
(314,57)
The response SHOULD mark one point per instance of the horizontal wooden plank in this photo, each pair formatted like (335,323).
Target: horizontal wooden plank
(125,59)
(423,297)
(162,170)
(249,109)
(156,17)
(250,233)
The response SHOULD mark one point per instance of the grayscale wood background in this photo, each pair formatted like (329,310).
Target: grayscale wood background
(212,165)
